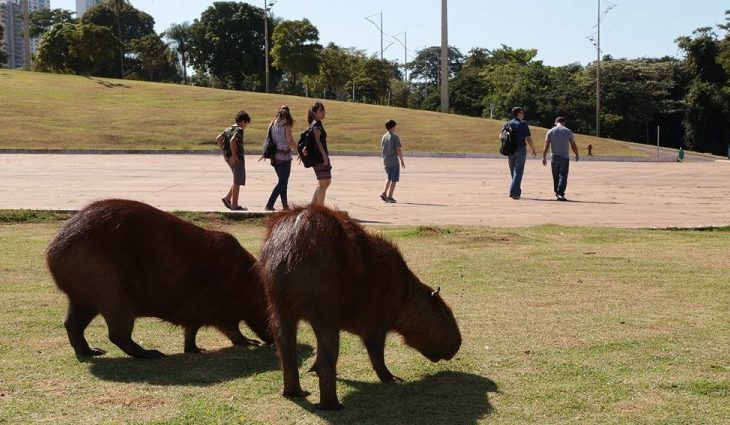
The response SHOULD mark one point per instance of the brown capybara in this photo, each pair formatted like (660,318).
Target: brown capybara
(322,267)
(125,259)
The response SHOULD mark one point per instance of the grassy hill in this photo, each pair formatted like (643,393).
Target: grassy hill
(50,111)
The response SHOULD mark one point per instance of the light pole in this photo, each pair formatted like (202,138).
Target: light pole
(380,28)
(444,57)
(26,35)
(404,43)
(597,42)
(267,7)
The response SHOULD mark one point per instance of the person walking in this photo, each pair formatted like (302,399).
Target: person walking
(390,143)
(557,140)
(521,133)
(231,143)
(323,171)
(281,134)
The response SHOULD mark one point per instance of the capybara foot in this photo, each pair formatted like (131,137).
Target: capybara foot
(314,368)
(296,393)
(394,380)
(149,354)
(91,352)
(329,405)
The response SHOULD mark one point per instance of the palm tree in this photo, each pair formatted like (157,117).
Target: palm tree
(119,6)
(179,37)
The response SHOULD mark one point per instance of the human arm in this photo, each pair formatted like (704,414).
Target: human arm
(545,151)
(317,134)
(238,135)
(290,139)
(574,147)
(400,155)
(528,139)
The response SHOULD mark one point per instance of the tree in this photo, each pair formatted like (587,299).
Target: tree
(228,43)
(76,48)
(179,36)
(427,64)
(337,66)
(3,54)
(43,20)
(127,23)
(153,59)
(295,50)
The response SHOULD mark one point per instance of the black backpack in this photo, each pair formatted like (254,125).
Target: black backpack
(269,148)
(507,142)
(308,143)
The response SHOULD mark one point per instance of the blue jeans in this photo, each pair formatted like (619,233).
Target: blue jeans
(560,167)
(516,170)
(283,170)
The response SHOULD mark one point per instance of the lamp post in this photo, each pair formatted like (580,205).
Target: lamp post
(380,29)
(267,7)
(404,43)
(444,57)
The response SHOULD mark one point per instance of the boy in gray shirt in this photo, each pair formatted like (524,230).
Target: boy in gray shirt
(559,138)
(391,154)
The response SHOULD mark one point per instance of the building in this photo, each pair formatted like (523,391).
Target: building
(83,5)
(11,18)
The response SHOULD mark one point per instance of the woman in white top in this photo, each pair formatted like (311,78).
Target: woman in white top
(281,135)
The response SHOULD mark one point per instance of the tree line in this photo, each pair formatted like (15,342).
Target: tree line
(688,98)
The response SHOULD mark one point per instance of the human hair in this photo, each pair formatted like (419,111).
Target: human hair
(517,110)
(389,125)
(560,120)
(318,106)
(242,116)
(284,116)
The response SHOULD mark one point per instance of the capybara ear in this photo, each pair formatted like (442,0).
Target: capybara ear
(434,293)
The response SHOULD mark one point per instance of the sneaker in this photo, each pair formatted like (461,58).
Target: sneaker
(391,200)
(239,208)
(226,203)
(382,196)
(561,198)
(515,196)
(268,208)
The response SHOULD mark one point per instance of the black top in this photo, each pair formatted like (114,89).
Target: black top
(322,135)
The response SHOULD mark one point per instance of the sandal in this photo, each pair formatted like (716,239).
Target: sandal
(226,203)
(239,208)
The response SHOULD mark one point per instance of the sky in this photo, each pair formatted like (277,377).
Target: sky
(558,29)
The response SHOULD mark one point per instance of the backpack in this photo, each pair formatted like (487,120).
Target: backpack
(268,151)
(507,142)
(224,143)
(308,143)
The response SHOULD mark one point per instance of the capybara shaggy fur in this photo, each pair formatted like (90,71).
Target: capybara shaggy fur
(322,267)
(125,259)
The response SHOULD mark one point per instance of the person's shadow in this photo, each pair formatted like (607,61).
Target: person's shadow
(207,368)
(454,398)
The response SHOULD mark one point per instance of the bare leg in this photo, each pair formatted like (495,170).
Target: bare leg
(229,194)
(77,319)
(328,347)
(375,345)
(321,192)
(392,189)
(285,335)
(120,333)
(237,338)
(235,190)
(387,185)
(190,333)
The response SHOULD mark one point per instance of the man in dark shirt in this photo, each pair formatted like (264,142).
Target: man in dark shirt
(521,132)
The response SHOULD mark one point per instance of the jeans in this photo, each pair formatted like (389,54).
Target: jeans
(516,170)
(560,167)
(283,170)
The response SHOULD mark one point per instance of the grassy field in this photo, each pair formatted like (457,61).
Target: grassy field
(560,324)
(49,111)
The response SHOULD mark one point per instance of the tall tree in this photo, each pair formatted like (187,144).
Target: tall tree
(153,59)
(296,49)
(228,44)
(179,36)
(3,54)
(42,20)
(426,65)
(76,48)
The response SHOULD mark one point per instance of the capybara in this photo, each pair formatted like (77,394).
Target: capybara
(125,259)
(320,266)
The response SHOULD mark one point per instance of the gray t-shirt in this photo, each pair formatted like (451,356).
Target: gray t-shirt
(560,138)
(390,143)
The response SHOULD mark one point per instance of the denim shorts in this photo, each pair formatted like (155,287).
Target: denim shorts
(393,172)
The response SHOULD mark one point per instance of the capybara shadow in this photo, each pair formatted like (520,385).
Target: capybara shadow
(320,266)
(210,368)
(125,259)
(453,398)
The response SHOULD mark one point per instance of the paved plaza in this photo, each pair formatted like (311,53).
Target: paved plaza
(464,191)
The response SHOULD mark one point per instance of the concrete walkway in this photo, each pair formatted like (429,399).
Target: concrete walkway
(469,191)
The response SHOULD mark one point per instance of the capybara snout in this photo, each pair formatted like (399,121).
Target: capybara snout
(125,259)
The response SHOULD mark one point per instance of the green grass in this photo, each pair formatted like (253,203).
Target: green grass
(560,324)
(50,111)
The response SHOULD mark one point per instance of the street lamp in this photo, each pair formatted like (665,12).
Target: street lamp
(268,5)
(444,57)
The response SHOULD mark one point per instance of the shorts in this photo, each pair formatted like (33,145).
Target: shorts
(323,172)
(393,172)
(239,171)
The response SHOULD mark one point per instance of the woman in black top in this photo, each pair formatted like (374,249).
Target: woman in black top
(324,171)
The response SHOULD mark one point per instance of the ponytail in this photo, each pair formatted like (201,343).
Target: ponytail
(313,110)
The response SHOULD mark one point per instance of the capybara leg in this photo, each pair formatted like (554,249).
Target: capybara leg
(120,333)
(328,347)
(77,319)
(190,346)
(286,346)
(237,338)
(375,345)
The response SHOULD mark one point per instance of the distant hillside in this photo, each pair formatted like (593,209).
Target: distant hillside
(50,111)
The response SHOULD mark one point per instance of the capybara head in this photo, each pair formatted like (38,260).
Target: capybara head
(428,324)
